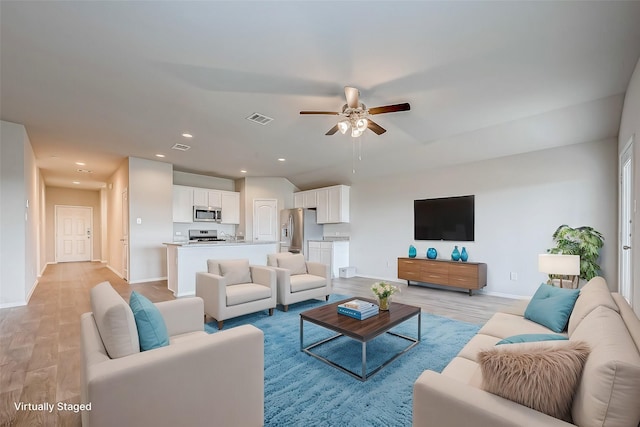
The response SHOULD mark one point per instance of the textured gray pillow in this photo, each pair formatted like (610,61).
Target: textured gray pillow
(294,263)
(538,376)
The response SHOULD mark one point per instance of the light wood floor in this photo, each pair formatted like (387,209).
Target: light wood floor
(40,342)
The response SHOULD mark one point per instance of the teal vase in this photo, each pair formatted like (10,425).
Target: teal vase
(464,256)
(455,255)
(412,251)
(432,253)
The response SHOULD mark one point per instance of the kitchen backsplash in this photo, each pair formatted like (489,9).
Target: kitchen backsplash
(183,229)
(336,230)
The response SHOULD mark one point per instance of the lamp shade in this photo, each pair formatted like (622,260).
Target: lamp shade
(559,264)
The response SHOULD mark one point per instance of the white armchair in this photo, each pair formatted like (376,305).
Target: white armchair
(299,280)
(171,385)
(232,288)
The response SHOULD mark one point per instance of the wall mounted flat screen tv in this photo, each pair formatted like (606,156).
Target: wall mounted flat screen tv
(448,218)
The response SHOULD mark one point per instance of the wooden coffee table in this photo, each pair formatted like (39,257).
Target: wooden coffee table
(360,330)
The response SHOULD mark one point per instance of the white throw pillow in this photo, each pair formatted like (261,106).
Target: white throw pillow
(235,271)
(294,263)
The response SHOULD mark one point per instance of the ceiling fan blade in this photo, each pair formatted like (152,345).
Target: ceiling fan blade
(351,93)
(375,127)
(332,130)
(390,108)
(320,112)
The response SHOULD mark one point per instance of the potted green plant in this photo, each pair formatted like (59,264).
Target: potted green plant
(584,241)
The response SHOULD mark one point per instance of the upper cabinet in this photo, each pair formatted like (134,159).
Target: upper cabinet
(331,203)
(305,199)
(185,198)
(206,197)
(230,205)
(182,203)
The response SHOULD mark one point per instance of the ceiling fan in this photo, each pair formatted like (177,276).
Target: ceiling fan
(357,115)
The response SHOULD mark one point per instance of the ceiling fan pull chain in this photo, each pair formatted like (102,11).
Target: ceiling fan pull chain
(353,156)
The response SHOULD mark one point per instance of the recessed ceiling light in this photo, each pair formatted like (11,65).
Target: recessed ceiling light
(281,159)
(243,171)
(159,155)
(187,135)
(80,163)
(76,182)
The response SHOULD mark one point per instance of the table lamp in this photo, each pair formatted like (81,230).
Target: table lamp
(559,265)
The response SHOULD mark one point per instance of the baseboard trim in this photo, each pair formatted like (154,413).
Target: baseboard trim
(117,273)
(33,288)
(155,279)
(12,304)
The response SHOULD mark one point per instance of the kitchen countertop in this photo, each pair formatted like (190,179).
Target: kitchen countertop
(219,243)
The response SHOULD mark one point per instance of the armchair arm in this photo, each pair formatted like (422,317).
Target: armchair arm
(213,290)
(263,276)
(196,382)
(182,315)
(318,269)
(439,400)
(283,280)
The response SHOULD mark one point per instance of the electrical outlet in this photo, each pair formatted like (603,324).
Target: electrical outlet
(138,221)
(513,276)
(178,233)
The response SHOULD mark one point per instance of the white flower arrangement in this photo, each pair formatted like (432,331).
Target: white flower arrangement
(384,289)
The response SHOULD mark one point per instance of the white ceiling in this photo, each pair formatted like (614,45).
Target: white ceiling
(99,81)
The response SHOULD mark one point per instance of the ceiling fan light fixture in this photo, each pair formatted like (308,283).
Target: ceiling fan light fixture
(343,126)
(361,124)
(355,132)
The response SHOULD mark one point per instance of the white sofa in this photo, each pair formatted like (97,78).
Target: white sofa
(299,280)
(197,380)
(608,392)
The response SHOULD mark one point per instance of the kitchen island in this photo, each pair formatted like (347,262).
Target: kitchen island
(184,260)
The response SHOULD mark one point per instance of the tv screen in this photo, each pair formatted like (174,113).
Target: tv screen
(449,218)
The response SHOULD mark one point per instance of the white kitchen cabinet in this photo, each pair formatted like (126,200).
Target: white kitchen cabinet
(305,199)
(332,204)
(230,206)
(335,254)
(182,204)
(206,197)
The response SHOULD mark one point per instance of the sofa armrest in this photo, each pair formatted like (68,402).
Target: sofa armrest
(182,315)
(318,269)
(218,377)
(283,280)
(264,276)
(213,290)
(439,400)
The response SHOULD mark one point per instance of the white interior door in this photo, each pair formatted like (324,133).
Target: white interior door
(73,233)
(125,234)
(265,220)
(627,208)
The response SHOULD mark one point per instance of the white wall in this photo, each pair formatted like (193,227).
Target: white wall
(630,128)
(116,184)
(203,181)
(151,201)
(520,201)
(19,216)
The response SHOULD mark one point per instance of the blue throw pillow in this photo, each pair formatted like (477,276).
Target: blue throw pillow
(152,331)
(551,306)
(531,338)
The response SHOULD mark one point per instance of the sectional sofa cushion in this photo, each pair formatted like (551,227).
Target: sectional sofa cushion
(272,259)
(235,271)
(115,321)
(152,331)
(541,377)
(514,339)
(593,294)
(551,306)
(610,385)
(294,263)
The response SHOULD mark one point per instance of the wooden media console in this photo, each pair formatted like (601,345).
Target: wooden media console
(464,275)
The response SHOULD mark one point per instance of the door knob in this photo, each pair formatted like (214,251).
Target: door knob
(626,248)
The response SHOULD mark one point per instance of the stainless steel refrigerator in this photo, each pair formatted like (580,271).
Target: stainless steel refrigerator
(297,227)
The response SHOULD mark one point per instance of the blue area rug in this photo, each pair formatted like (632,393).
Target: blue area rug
(300,390)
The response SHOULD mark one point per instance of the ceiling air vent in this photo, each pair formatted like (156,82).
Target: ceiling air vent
(261,119)
(181,147)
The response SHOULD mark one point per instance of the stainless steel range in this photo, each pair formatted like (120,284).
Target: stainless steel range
(204,236)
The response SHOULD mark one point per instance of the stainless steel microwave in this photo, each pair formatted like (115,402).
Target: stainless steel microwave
(206,214)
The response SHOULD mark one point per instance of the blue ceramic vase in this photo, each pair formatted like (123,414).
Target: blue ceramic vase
(432,253)
(455,255)
(412,251)
(464,256)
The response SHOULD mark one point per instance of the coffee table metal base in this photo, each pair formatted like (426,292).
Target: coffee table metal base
(364,375)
